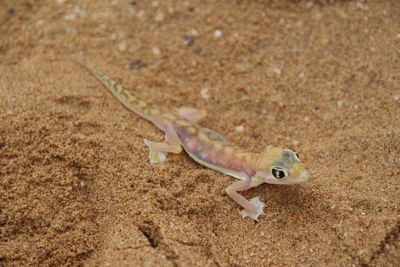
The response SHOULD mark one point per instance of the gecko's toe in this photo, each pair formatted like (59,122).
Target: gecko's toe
(258,209)
(154,155)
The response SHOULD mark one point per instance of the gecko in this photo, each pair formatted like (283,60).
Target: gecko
(210,149)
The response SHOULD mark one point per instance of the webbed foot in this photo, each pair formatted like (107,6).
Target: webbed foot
(258,207)
(154,155)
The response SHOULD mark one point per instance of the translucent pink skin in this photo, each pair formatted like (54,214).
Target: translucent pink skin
(216,155)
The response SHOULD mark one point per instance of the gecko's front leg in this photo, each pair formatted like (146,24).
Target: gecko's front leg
(252,208)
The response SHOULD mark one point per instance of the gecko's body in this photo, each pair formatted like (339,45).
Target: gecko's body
(210,149)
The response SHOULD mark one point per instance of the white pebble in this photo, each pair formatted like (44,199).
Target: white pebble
(398,35)
(306,118)
(205,93)
(140,14)
(277,70)
(239,128)
(70,16)
(122,46)
(194,32)
(396,98)
(159,17)
(339,103)
(295,142)
(301,74)
(156,51)
(218,33)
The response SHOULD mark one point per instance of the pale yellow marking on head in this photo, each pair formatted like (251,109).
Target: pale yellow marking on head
(280,166)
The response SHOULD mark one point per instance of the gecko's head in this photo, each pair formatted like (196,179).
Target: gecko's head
(280,166)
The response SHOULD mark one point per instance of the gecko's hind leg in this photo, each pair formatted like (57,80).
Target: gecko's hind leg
(159,150)
(193,115)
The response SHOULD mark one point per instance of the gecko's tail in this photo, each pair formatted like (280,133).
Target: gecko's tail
(129,100)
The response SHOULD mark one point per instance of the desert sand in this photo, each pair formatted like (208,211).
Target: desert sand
(319,77)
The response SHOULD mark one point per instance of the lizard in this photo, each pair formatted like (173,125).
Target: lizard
(208,148)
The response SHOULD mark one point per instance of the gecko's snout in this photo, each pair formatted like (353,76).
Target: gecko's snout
(303,177)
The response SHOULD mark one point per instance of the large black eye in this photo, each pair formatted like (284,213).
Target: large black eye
(278,173)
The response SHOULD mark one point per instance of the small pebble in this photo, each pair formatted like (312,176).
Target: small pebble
(295,142)
(11,11)
(122,46)
(197,51)
(140,14)
(159,17)
(239,128)
(301,74)
(137,64)
(306,118)
(339,103)
(209,21)
(156,51)
(133,3)
(205,93)
(194,32)
(277,70)
(190,40)
(396,98)
(240,89)
(70,16)
(217,33)
(398,35)
(324,42)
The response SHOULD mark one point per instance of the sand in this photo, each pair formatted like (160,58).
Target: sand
(318,77)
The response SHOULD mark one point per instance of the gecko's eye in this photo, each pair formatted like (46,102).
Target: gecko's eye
(278,173)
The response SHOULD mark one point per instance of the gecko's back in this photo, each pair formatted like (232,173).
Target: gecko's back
(212,150)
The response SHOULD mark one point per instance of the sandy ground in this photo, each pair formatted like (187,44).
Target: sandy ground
(319,77)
